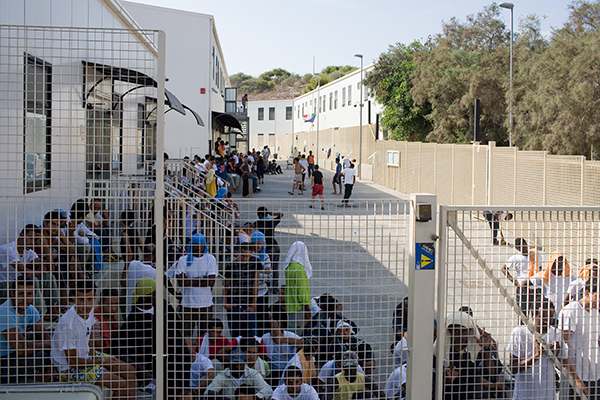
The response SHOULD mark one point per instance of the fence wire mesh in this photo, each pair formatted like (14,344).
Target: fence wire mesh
(517,303)
(251,287)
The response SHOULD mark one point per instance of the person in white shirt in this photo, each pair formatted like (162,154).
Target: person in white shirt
(346,162)
(395,386)
(18,257)
(195,273)
(590,270)
(202,373)
(533,369)
(281,346)
(293,388)
(579,322)
(349,179)
(71,353)
(517,270)
(138,270)
(556,279)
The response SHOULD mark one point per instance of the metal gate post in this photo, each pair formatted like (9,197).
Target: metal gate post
(422,235)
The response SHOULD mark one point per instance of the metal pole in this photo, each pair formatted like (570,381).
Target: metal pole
(361,121)
(159,197)
(293,116)
(511,79)
(318,115)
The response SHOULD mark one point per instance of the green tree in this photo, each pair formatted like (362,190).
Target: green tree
(237,79)
(328,74)
(467,61)
(391,80)
(275,75)
(557,87)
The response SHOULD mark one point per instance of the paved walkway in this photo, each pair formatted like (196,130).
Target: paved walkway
(357,252)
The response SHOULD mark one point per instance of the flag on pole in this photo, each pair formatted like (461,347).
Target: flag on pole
(311,119)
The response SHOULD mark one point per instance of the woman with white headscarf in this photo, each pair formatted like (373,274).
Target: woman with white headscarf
(462,358)
(295,288)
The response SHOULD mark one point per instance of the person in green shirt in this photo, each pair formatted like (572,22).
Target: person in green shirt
(295,287)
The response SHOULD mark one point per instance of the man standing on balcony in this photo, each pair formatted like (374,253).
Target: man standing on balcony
(245,102)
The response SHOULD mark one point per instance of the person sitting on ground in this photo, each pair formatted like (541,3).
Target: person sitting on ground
(344,339)
(349,381)
(368,363)
(87,242)
(20,350)
(71,353)
(58,252)
(328,372)
(106,314)
(98,220)
(137,339)
(280,346)
(138,270)
(463,357)
(213,344)
(305,360)
(295,288)
(238,374)
(202,373)
(395,387)
(294,387)
(252,350)
(531,366)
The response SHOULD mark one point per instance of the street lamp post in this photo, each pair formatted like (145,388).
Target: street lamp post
(360,105)
(293,115)
(511,7)
(318,114)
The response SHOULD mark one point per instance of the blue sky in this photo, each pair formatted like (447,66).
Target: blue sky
(259,35)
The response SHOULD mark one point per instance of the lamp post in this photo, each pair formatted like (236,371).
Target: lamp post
(360,107)
(293,115)
(511,7)
(318,114)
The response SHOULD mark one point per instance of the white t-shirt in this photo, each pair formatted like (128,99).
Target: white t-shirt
(199,368)
(539,380)
(280,353)
(307,392)
(556,290)
(10,255)
(304,163)
(575,287)
(83,233)
(71,332)
(346,162)
(518,266)
(584,351)
(401,352)
(136,271)
(395,382)
(195,297)
(349,174)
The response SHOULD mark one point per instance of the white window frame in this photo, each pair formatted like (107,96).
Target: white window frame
(393,158)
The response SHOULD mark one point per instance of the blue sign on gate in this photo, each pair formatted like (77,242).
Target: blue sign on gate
(425,256)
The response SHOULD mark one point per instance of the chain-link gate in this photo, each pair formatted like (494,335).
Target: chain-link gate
(517,303)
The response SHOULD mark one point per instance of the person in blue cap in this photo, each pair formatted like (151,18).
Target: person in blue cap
(195,273)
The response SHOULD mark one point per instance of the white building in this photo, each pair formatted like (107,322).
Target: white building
(339,105)
(196,72)
(269,119)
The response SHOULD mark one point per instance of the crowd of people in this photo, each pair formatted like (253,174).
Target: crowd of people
(63,320)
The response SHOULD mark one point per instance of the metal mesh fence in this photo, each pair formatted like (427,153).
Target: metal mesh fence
(517,303)
(250,287)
